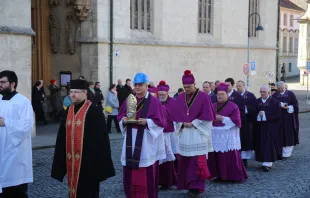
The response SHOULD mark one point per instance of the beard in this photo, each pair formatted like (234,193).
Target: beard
(5,91)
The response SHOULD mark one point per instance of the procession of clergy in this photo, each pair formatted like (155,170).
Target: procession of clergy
(178,142)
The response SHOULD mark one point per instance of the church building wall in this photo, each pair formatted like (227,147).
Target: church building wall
(173,43)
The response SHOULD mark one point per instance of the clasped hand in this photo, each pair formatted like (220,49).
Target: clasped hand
(2,121)
(188,125)
(219,118)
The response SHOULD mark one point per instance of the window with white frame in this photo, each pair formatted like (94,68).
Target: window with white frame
(291,20)
(253,8)
(291,47)
(204,16)
(141,15)
(284,44)
(296,45)
(285,19)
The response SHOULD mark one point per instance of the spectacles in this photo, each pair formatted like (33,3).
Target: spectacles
(3,82)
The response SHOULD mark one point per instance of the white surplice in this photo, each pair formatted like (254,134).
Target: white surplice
(16,158)
(196,140)
(226,138)
(153,144)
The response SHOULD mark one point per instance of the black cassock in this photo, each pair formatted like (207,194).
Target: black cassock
(268,136)
(96,165)
(246,131)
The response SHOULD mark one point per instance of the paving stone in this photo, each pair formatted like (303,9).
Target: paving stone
(288,178)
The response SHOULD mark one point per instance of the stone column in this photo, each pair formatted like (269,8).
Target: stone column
(15,41)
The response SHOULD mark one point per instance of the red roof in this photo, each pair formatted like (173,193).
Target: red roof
(290,5)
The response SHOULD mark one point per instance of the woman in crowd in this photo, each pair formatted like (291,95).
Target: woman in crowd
(112,108)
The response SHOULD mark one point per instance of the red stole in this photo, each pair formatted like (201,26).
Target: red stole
(74,145)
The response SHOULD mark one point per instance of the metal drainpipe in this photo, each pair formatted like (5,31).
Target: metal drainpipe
(278,36)
(111,41)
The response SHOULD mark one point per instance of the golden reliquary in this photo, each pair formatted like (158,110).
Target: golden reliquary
(131,109)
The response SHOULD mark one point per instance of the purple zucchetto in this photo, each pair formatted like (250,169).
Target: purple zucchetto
(151,89)
(222,87)
(162,86)
(188,78)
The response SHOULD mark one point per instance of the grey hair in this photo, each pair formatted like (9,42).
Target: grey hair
(217,81)
(280,83)
(242,82)
(151,83)
(265,87)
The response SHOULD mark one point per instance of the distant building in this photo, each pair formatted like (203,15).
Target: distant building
(290,13)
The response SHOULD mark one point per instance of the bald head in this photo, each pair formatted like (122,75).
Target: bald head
(281,86)
(264,91)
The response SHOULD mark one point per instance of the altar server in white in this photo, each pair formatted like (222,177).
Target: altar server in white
(16,157)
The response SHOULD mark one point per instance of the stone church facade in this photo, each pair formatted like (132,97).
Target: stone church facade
(40,38)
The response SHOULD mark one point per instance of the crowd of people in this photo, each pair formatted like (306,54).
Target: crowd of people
(179,141)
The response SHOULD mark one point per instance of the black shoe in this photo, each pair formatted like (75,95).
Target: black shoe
(193,193)
(164,187)
(265,168)
(245,162)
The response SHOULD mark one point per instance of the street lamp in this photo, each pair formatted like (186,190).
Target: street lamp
(258,28)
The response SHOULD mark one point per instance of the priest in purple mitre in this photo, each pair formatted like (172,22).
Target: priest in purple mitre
(225,162)
(246,130)
(167,173)
(268,147)
(194,111)
(143,145)
(206,87)
(289,118)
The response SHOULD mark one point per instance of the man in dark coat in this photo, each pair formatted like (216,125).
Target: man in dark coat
(246,131)
(123,91)
(235,97)
(289,118)
(82,147)
(268,146)
(38,96)
(207,89)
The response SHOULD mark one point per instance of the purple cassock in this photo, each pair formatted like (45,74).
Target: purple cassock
(167,173)
(192,170)
(227,165)
(246,131)
(268,147)
(213,97)
(141,181)
(289,121)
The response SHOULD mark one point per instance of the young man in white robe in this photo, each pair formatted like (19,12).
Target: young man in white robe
(16,158)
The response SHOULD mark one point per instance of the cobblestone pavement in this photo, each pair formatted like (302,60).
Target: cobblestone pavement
(288,178)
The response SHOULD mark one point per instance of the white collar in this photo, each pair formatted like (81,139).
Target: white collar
(243,93)
(232,91)
(264,100)
(283,92)
(210,93)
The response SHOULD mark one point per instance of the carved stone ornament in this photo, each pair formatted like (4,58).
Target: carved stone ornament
(82,8)
(55,33)
(70,2)
(54,2)
(70,30)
